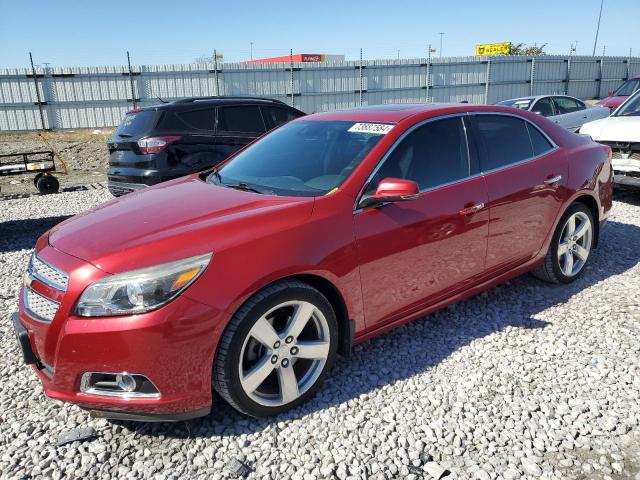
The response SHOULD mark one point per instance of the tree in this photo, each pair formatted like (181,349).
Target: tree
(522,49)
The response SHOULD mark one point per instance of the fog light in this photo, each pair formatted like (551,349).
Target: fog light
(124,385)
(126,382)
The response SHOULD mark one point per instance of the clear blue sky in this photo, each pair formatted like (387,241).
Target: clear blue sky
(89,32)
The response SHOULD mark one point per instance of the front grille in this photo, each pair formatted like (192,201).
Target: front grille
(48,274)
(620,155)
(39,307)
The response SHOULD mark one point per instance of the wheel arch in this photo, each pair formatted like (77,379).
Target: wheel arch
(591,203)
(346,326)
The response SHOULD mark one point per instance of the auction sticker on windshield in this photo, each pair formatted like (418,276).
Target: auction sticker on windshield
(375,128)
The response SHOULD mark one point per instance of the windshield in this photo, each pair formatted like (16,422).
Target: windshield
(302,158)
(629,108)
(522,104)
(627,88)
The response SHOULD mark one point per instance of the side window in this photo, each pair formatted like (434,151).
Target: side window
(277,116)
(431,155)
(540,143)
(544,107)
(245,119)
(568,105)
(197,119)
(506,140)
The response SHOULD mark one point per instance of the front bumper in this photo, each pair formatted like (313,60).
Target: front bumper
(626,170)
(172,346)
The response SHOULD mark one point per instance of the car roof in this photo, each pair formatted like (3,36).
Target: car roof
(191,102)
(395,113)
(537,97)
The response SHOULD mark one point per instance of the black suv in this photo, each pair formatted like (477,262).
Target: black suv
(162,142)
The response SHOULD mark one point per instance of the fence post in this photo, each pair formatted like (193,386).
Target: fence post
(291,76)
(533,75)
(600,70)
(215,71)
(133,90)
(428,70)
(488,80)
(568,79)
(35,82)
(361,80)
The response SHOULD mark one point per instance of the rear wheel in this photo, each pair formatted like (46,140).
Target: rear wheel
(276,349)
(570,247)
(36,178)
(47,184)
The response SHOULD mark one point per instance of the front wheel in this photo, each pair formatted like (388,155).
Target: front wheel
(276,349)
(570,247)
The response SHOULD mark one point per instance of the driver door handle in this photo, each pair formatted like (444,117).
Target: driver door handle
(472,209)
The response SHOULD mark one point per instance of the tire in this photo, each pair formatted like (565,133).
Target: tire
(47,184)
(36,178)
(276,361)
(555,268)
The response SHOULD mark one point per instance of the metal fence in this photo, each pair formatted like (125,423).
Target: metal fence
(87,97)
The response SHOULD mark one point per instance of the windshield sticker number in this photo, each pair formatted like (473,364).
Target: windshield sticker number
(375,128)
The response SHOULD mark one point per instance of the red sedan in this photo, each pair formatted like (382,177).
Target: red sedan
(332,229)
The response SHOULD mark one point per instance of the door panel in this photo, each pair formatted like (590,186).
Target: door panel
(413,253)
(522,208)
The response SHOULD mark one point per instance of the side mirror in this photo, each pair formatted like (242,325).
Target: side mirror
(392,190)
(610,93)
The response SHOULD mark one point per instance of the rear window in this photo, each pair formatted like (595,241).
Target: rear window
(522,104)
(135,124)
(240,119)
(277,116)
(506,139)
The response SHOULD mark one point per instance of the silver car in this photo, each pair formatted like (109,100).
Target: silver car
(566,111)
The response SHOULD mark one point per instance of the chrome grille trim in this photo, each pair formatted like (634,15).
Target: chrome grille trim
(38,307)
(48,274)
(619,155)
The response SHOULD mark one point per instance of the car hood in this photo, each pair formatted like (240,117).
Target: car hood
(614,129)
(612,102)
(173,220)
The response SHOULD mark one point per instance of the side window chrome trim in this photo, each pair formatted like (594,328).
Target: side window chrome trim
(399,140)
(525,160)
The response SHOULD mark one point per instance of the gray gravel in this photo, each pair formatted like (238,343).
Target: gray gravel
(526,380)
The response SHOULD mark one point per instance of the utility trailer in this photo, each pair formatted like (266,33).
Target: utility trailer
(42,163)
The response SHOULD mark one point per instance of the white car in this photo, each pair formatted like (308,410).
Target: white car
(566,111)
(621,131)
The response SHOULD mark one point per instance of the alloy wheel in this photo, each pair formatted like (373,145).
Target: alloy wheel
(574,246)
(284,353)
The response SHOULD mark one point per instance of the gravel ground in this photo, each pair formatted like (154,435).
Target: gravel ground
(85,152)
(527,380)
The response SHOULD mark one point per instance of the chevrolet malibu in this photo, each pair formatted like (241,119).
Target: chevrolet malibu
(248,280)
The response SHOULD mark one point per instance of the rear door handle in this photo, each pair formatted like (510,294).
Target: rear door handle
(472,209)
(552,181)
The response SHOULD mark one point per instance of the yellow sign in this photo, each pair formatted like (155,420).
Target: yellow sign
(219,56)
(503,48)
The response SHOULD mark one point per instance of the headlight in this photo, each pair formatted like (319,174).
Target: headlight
(141,290)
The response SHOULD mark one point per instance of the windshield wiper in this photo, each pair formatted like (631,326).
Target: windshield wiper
(244,187)
(216,174)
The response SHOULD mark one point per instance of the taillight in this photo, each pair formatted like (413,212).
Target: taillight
(150,145)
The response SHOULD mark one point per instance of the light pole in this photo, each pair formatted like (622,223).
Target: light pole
(251,54)
(441,35)
(595,42)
